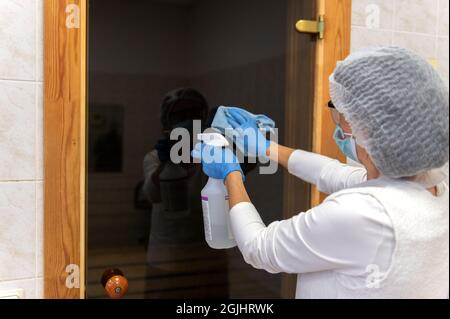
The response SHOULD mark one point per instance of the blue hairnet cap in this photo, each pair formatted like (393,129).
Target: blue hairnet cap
(398,108)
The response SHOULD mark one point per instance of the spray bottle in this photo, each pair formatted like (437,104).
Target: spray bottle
(215,203)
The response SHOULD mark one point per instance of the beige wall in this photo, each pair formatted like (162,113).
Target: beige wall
(21,172)
(421,25)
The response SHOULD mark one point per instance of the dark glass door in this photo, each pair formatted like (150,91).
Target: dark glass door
(155,65)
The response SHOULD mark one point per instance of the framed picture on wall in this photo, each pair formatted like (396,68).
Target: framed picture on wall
(106,138)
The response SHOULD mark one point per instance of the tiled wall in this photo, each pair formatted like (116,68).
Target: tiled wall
(21,169)
(420,25)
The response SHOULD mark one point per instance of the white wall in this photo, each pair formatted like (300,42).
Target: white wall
(21,169)
(420,25)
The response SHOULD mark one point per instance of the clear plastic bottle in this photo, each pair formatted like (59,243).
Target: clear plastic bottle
(215,205)
(216,215)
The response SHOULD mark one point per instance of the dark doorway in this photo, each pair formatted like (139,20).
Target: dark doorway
(231,53)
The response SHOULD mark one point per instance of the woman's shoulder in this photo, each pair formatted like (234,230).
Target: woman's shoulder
(358,203)
(384,187)
(363,203)
(361,194)
(383,195)
(358,216)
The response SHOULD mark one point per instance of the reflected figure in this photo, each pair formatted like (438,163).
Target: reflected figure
(176,245)
(108,151)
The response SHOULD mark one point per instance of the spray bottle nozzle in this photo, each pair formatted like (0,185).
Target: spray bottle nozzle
(213,139)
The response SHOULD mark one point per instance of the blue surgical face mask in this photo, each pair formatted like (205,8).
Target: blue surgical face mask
(346,144)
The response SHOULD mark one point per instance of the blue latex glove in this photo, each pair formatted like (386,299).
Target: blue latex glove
(217,162)
(247,134)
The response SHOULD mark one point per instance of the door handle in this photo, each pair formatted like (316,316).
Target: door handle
(314,27)
(114,283)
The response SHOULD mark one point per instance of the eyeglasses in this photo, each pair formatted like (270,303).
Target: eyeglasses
(334,113)
(341,135)
(336,116)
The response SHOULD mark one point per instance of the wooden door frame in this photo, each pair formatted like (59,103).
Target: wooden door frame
(65,41)
(65,71)
(334,47)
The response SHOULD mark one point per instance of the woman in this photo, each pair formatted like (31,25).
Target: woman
(383,231)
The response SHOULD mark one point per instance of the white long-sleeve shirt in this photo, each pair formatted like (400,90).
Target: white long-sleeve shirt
(346,233)
(340,245)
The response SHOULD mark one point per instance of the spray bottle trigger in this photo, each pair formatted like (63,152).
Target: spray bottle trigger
(213,139)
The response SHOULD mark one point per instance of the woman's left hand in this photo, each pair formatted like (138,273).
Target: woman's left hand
(247,135)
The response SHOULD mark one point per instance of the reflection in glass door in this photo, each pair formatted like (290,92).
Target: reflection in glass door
(154,66)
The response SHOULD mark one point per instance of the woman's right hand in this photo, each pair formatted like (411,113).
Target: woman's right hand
(247,135)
